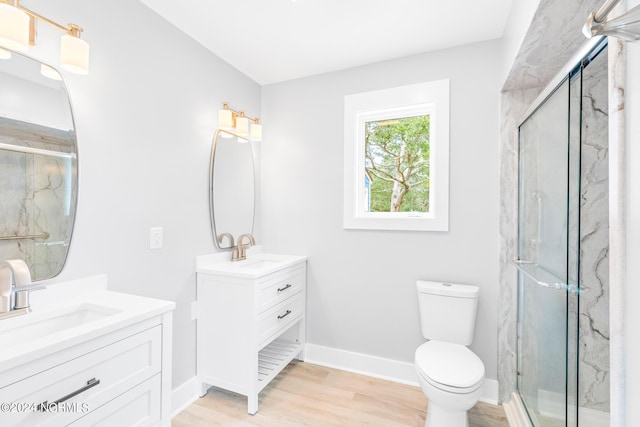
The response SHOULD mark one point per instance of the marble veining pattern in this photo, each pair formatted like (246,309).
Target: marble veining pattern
(513,105)
(532,69)
(553,37)
(617,228)
(38,197)
(593,335)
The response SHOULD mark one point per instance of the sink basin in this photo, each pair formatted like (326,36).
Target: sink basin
(38,325)
(256,265)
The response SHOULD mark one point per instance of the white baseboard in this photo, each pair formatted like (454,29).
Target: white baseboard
(379,367)
(515,412)
(359,363)
(372,366)
(490,392)
(184,395)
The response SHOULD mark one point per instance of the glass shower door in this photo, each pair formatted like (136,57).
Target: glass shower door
(543,265)
(563,364)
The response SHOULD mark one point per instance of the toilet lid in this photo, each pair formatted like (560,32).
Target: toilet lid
(449,364)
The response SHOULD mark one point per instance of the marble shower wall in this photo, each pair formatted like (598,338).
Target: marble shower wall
(593,338)
(552,38)
(593,234)
(38,197)
(513,105)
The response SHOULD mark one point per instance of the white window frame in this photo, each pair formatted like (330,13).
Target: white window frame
(431,98)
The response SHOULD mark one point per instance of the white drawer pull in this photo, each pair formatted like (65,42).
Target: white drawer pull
(285,288)
(44,406)
(285,315)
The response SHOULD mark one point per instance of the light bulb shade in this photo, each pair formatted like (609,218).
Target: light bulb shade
(14,28)
(5,54)
(74,54)
(256,132)
(242,127)
(50,72)
(225,120)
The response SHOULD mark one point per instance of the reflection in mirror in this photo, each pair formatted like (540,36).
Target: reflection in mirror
(38,166)
(231,190)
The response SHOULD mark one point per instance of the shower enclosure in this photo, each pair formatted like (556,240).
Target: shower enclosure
(563,338)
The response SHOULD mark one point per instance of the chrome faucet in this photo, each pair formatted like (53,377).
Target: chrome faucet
(15,285)
(240,252)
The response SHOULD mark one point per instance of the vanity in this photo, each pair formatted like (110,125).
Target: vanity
(250,320)
(98,358)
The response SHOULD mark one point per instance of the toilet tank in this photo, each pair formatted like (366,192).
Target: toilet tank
(447,311)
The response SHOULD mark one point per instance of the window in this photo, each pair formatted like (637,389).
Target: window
(397,158)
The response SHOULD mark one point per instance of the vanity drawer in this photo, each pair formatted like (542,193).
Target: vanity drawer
(86,382)
(138,407)
(278,318)
(277,289)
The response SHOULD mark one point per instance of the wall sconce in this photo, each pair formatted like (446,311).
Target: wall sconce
(18,31)
(233,123)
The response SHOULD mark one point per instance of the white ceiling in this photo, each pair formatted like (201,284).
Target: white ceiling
(277,40)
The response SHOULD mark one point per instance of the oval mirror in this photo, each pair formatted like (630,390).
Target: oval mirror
(232,190)
(38,165)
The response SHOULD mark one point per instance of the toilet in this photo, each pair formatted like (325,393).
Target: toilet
(451,375)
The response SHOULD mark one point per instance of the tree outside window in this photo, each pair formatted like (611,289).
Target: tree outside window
(397,164)
(396,158)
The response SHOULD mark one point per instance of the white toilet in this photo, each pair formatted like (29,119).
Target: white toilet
(451,375)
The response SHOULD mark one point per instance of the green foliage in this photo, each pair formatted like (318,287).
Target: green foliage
(397,162)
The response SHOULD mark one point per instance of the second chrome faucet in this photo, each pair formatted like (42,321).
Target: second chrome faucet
(15,285)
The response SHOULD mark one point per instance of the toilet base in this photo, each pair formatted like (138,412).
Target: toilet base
(440,417)
(448,409)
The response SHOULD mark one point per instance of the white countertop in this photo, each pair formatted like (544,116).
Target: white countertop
(90,315)
(256,265)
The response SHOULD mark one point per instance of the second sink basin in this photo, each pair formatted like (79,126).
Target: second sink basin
(32,326)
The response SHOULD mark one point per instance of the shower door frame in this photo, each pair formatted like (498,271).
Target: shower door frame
(571,284)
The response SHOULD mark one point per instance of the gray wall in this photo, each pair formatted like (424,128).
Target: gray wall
(145,116)
(362,293)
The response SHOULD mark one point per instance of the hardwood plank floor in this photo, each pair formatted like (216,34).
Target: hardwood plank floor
(310,395)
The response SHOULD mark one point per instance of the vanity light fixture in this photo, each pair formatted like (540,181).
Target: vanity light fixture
(233,123)
(18,31)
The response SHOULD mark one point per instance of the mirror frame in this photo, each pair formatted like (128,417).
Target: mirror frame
(217,239)
(76,177)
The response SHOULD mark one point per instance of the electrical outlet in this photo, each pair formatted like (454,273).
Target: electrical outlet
(155,238)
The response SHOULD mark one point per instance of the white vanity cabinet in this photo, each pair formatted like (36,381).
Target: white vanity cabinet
(251,322)
(117,373)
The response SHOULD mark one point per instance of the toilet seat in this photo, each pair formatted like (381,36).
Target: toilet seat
(449,367)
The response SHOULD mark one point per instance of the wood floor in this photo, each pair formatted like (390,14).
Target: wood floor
(310,395)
